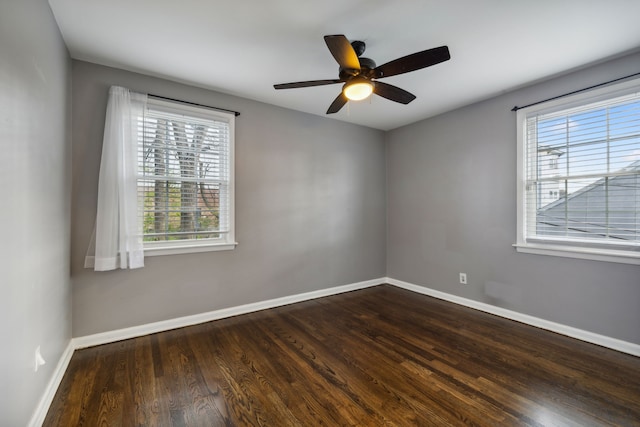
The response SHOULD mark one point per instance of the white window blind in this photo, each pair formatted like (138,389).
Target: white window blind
(581,172)
(185,181)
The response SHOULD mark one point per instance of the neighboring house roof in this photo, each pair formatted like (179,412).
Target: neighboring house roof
(548,150)
(582,213)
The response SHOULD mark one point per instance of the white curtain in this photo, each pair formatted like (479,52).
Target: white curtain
(118,233)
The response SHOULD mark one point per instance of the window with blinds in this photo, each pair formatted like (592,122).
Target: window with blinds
(580,173)
(185,176)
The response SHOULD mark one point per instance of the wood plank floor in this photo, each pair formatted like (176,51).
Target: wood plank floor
(378,356)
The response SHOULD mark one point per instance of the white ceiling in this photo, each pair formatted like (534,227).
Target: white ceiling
(243,47)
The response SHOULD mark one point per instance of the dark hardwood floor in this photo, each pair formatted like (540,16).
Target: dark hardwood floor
(378,356)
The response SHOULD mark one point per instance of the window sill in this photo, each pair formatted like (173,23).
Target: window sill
(159,250)
(607,255)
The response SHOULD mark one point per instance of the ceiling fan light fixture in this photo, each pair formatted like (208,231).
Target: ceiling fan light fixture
(358,89)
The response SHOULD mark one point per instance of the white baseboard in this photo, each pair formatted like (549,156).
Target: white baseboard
(136,331)
(52,386)
(166,325)
(180,322)
(601,340)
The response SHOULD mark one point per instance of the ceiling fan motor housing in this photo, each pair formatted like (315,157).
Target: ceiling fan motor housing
(358,47)
(367,66)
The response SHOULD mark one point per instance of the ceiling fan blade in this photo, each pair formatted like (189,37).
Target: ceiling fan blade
(413,62)
(393,93)
(306,84)
(337,103)
(342,51)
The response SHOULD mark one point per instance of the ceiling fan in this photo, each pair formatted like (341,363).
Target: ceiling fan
(360,75)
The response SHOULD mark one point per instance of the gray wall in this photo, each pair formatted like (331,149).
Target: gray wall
(35,308)
(452,208)
(310,211)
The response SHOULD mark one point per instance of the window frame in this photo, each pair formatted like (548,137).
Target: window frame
(175,247)
(547,245)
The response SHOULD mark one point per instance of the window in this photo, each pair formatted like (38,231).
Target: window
(185,178)
(579,176)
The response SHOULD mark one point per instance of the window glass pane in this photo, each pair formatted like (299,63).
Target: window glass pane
(184,166)
(587,127)
(624,120)
(583,173)
(624,207)
(586,159)
(552,133)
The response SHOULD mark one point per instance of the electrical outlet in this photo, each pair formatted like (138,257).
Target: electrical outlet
(39,360)
(463,278)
